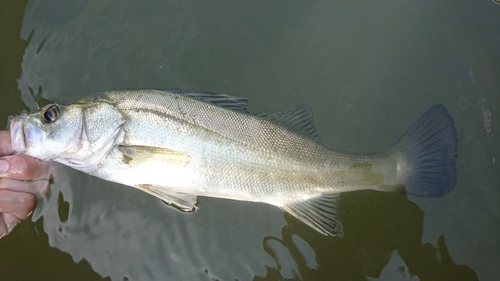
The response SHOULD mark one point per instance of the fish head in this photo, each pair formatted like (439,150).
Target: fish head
(78,134)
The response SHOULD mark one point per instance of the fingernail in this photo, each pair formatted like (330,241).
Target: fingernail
(4,166)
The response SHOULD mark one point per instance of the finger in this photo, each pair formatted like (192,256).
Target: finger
(16,202)
(9,221)
(5,144)
(16,218)
(4,229)
(39,187)
(23,167)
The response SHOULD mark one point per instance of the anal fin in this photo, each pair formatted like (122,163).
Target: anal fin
(181,201)
(320,213)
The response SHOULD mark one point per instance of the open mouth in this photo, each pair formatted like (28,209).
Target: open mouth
(25,136)
(17,134)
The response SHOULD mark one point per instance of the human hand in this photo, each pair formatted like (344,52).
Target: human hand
(23,180)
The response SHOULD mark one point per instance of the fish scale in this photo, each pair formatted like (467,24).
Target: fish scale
(177,145)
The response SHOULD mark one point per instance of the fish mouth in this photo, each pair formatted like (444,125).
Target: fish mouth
(26,137)
(17,134)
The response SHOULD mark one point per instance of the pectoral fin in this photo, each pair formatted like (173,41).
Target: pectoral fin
(319,213)
(182,201)
(135,155)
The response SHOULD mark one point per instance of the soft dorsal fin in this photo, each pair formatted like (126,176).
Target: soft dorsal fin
(298,119)
(225,101)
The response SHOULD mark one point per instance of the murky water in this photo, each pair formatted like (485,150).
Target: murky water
(367,69)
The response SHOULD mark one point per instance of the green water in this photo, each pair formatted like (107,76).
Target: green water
(367,69)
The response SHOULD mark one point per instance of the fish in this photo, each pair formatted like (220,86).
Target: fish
(180,144)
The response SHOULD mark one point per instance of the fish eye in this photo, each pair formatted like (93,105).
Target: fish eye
(50,114)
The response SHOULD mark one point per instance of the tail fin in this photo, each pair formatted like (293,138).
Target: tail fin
(430,150)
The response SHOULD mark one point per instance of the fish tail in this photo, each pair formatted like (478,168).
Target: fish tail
(429,149)
(426,156)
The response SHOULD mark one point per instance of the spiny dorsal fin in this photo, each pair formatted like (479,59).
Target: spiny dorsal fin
(298,119)
(226,101)
(319,213)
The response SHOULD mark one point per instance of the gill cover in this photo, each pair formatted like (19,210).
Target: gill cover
(78,135)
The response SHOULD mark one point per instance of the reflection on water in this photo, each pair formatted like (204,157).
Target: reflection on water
(469,88)
(399,256)
(487,120)
(366,70)
(124,232)
(225,240)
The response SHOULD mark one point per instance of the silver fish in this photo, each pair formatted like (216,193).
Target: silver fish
(179,144)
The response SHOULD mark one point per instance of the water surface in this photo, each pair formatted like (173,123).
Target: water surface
(367,69)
